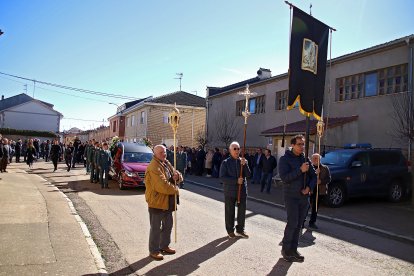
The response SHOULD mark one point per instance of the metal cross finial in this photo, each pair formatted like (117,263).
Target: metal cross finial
(247,94)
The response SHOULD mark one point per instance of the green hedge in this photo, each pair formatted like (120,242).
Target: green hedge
(33,133)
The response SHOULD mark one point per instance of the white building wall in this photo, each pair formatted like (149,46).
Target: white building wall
(31,116)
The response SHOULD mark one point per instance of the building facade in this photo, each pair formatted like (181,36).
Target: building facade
(26,113)
(149,119)
(362,91)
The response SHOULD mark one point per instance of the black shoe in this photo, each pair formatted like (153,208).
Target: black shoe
(242,235)
(298,256)
(313,226)
(231,235)
(290,256)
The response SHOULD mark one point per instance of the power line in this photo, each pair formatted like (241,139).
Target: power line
(85,120)
(74,88)
(51,90)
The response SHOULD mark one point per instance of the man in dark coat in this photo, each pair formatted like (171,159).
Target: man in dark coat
(269,163)
(201,156)
(18,149)
(230,176)
(217,158)
(299,179)
(257,166)
(55,153)
(323,180)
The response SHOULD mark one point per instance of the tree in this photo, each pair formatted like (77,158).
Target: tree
(225,129)
(201,138)
(403,117)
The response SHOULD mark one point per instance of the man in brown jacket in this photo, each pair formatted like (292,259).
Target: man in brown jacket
(160,183)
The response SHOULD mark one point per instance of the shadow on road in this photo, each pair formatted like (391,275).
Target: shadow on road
(280,268)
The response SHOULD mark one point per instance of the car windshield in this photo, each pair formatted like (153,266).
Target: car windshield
(137,157)
(338,158)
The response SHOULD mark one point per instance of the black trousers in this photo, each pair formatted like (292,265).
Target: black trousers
(229,213)
(55,162)
(296,209)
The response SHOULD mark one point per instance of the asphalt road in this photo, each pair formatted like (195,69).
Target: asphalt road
(118,221)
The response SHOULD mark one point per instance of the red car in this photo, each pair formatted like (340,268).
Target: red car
(129,165)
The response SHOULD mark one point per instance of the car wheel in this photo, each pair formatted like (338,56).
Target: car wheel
(120,183)
(396,191)
(336,195)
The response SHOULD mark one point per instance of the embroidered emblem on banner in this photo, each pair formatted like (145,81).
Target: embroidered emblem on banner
(309,56)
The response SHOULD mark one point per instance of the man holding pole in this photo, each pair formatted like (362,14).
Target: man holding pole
(232,179)
(299,178)
(161,181)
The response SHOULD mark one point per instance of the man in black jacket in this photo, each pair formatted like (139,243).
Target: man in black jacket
(299,179)
(18,149)
(323,180)
(269,163)
(257,166)
(230,176)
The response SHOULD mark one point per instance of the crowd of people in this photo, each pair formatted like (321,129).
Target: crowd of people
(162,181)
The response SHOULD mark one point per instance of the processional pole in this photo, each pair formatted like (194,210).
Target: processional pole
(246,113)
(174,120)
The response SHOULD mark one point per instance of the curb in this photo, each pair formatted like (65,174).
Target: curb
(99,262)
(347,223)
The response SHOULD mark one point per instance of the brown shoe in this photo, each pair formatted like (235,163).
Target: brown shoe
(168,250)
(157,256)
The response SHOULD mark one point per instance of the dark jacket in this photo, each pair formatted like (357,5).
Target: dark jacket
(269,164)
(258,164)
(325,174)
(229,173)
(55,152)
(292,176)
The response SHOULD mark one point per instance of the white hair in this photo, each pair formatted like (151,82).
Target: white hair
(234,143)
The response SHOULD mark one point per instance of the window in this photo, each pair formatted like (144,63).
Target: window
(133,120)
(114,127)
(281,100)
(252,105)
(240,105)
(165,117)
(384,81)
(371,84)
(142,117)
(256,105)
(127,121)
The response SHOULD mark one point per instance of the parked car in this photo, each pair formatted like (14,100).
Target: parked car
(129,165)
(366,172)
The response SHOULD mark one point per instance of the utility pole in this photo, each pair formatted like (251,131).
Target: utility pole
(180,76)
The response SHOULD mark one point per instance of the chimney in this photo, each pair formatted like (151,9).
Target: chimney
(2,97)
(263,73)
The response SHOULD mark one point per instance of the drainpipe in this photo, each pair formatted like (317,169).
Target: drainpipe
(192,130)
(411,97)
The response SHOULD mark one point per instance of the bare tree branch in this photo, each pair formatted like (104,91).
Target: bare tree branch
(226,129)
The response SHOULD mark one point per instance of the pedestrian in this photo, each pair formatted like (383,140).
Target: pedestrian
(217,158)
(37,147)
(181,162)
(18,149)
(104,161)
(230,176)
(269,163)
(324,178)
(76,144)
(93,166)
(294,169)
(96,162)
(31,153)
(47,150)
(5,157)
(55,153)
(161,186)
(69,155)
(24,149)
(200,158)
(257,166)
(209,162)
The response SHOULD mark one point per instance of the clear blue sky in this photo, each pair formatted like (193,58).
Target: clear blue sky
(135,48)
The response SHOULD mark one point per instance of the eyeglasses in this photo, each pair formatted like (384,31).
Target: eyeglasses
(236,148)
(300,144)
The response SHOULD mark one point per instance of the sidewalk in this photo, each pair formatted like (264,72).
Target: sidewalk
(39,233)
(394,220)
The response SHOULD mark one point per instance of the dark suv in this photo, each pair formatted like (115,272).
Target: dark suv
(366,172)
